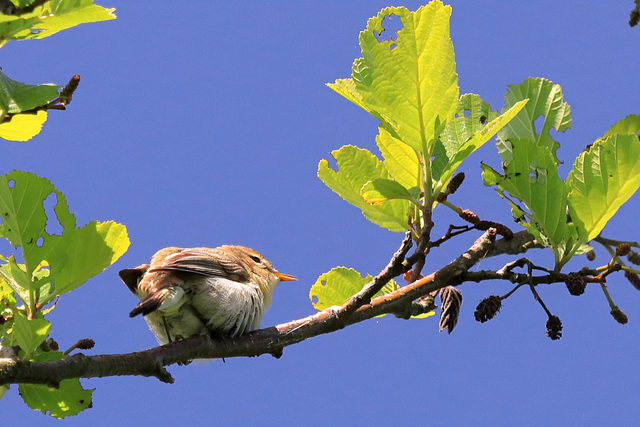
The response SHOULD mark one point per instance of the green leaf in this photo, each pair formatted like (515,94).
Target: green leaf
(409,83)
(50,18)
(335,287)
(603,178)
(532,178)
(89,251)
(356,167)
(73,255)
(29,334)
(16,97)
(466,133)
(545,99)
(69,399)
(380,190)
(401,160)
(628,125)
(23,215)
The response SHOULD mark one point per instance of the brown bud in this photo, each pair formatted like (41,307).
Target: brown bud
(455,182)
(53,345)
(488,308)
(554,328)
(634,17)
(575,284)
(633,279)
(619,315)
(634,257)
(623,249)
(86,344)
(469,216)
(67,92)
(591,255)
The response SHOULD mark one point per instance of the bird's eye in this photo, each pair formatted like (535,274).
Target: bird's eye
(255,259)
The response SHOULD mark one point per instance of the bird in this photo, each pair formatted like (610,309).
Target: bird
(222,291)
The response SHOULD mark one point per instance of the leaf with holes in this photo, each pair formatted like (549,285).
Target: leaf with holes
(337,286)
(356,167)
(465,134)
(73,254)
(546,101)
(409,83)
(60,402)
(603,178)
(531,178)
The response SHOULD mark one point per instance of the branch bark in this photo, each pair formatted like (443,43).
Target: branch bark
(272,340)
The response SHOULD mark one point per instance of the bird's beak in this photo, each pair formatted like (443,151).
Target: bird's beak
(284,277)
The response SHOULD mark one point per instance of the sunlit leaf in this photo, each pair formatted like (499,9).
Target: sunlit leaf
(546,101)
(465,134)
(338,285)
(380,190)
(29,334)
(400,159)
(356,167)
(89,250)
(335,287)
(628,125)
(23,127)
(603,178)
(532,179)
(69,399)
(53,16)
(409,83)
(73,254)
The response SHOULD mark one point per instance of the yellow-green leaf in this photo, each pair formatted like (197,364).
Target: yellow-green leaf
(53,16)
(68,399)
(537,195)
(356,167)
(380,190)
(603,178)
(73,254)
(546,101)
(335,287)
(465,134)
(410,83)
(29,334)
(628,125)
(401,160)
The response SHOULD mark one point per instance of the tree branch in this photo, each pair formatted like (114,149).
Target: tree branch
(270,340)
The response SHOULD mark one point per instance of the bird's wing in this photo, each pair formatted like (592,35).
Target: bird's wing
(208,262)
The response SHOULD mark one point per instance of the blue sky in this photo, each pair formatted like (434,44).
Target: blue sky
(203,124)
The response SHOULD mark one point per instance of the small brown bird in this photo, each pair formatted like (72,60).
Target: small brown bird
(220,291)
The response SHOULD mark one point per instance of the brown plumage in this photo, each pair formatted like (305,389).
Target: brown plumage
(221,291)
